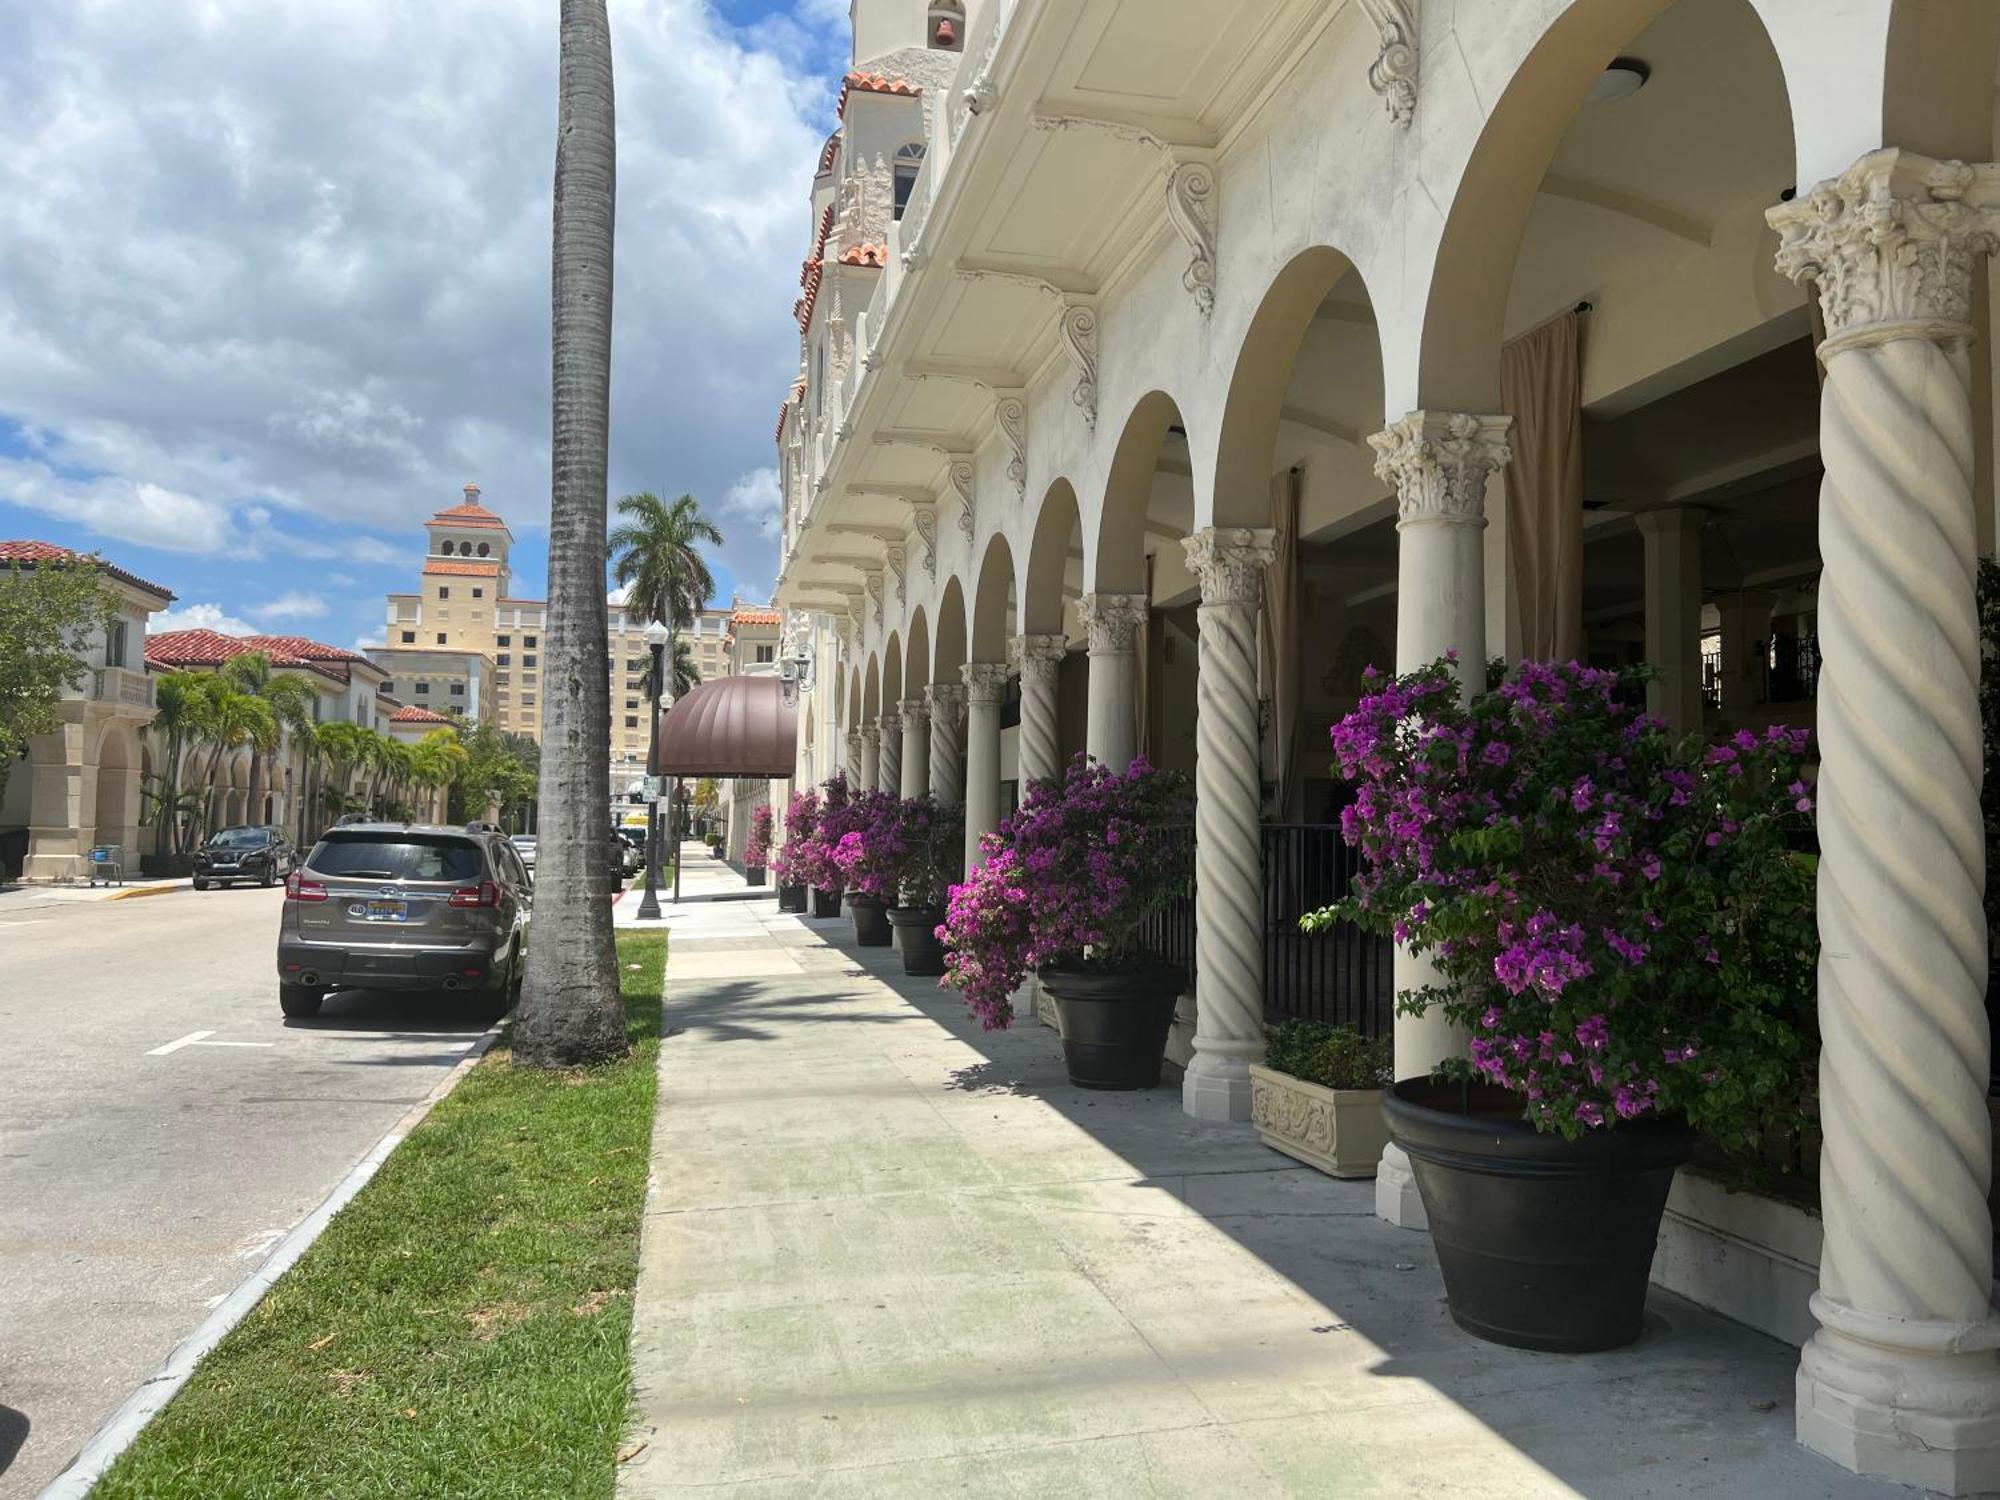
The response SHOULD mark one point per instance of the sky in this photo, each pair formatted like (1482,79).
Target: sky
(274,282)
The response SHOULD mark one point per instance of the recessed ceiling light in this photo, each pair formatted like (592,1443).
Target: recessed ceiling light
(1624,78)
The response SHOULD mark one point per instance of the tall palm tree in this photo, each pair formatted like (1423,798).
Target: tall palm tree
(232,720)
(180,703)
(345,748)
(658,557)
(682,679)
(291,700)
(571,1011)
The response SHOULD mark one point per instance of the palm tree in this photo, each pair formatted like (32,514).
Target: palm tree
(291,699)
(657,557)
(345,747)
(683,679)
(180,702)
(231,720)
(571,1012)
(435,761)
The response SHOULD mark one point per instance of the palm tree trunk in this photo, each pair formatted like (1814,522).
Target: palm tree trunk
(572,1012)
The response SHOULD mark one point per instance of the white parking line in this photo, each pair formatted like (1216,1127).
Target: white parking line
(179,1042)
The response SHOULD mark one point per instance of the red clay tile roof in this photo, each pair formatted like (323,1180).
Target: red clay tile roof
(859,82)
(828,153)
(467,515)
(865,255)
(30,553)
(211,648)
(464,569)
(415,715)
(750,614)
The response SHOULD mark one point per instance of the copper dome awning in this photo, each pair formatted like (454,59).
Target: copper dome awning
(733,726)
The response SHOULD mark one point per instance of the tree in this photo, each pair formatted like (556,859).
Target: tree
(49,614)
(493,770)
(684,678)
(571,1009)
(345,748)
(230,720)
(290,699)
(179,702)
(658,557)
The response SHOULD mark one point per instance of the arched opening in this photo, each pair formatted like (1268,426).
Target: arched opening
(115,817)
(908,164)
(949,654)
(993,603)
(917,655)
(1052,585)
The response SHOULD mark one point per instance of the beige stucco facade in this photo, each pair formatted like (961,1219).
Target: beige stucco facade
(1183,287)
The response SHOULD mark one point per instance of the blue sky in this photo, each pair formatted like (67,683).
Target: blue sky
(273,284)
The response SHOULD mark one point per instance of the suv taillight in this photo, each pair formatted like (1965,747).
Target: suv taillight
(298,888)
(486,893)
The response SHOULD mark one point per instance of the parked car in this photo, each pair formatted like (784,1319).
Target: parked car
(524,845)
(402,906)
(259,853)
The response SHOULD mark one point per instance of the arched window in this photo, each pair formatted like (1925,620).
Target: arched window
(909,162)
(947,26)
(484,549)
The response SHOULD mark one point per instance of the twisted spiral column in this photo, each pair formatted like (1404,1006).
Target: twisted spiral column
(854,753)
(871,757)
(985,691)
(1111,728)
(947,703)
(1038,658)
(1901,1380)
(1440,463)
(916,716)
(1228,799)
(891,775)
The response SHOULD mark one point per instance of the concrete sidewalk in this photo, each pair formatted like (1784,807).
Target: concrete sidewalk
(888,1256)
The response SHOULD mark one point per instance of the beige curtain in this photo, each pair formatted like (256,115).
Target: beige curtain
(1541,388)
(1278,641)
(1142,672)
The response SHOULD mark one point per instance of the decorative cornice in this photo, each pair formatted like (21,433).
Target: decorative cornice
(1393,74)
(1230,562)
(1891,244)
(985,683)
(1109,621)
(1010,415)
(1191,208)
(1037,657)
(1439,462)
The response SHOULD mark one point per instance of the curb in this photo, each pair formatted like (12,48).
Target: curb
(118,1433)
(145,890)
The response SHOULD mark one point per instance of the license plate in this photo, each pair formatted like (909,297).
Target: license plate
(381,911)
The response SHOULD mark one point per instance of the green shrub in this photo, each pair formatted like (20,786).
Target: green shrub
(1334,1057)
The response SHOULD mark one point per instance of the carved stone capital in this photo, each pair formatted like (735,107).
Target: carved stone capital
(1393,74)
(1890,245)
(871,734)
(1439,462)
(1230,562)
(947,700)
(914,712)
(985,683)
(1037,657)
(1110,619)
(891,726)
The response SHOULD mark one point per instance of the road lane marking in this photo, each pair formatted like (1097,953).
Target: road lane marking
(179,1042)
(232,1044)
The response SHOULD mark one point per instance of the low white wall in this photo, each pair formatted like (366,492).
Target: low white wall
(1748,1257)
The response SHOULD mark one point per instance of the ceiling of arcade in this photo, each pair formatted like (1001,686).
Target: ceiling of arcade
(1650,203)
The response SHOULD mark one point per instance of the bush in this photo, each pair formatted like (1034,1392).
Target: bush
(1334,1057)
(757,853)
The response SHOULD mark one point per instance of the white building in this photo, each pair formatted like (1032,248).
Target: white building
(1214,351)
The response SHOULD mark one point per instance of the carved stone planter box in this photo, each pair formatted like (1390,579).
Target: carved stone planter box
(1340,1131)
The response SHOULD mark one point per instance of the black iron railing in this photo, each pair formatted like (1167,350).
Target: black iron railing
(1340,975)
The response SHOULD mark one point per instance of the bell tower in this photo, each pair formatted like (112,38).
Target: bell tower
(882,27)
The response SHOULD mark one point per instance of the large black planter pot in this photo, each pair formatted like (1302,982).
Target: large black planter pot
(871,920)
(1544,1243)
(1114,1022)
(916,934)
(753,874)
(826,903)
(791,897)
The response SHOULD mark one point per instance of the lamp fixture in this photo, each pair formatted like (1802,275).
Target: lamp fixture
(1621,80)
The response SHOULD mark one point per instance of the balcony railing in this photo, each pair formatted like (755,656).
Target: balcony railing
(1342,975)
(120,685)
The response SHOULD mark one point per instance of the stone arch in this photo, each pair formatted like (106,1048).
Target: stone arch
(1117,555)
(115,818)
(1464,309)
(1263,377)
(993,603)
(949,652)
(892,672)
(917,655)
(871,691)
(1053,546)
(853,698)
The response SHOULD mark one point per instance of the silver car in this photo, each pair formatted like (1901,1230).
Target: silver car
(402,906)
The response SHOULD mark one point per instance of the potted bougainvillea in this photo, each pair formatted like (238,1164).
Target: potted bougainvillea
(1620,921)
(790,862)
(869,855)
(757,852)
(810,856)
(933,837)
(1063,888)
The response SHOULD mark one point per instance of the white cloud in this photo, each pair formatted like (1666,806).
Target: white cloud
(294,604)
(264,261)
(755,498)
(199,617)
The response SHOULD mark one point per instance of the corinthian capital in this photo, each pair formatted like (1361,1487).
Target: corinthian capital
(947,701)
(1890,244)
(914,711)
(1036,657)
(1230,562)
(1110,619)
(985,682)
(1439,462)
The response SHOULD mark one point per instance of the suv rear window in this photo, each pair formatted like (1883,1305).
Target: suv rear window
(400,856)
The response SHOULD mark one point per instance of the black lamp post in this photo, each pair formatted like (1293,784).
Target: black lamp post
(649,904)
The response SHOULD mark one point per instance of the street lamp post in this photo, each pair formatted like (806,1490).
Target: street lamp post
(649,904)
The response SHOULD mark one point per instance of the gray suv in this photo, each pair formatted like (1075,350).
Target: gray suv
(403,906)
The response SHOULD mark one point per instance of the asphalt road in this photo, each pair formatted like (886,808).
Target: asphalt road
(161,1126)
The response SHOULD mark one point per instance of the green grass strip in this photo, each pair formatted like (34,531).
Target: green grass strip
(462,1327)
